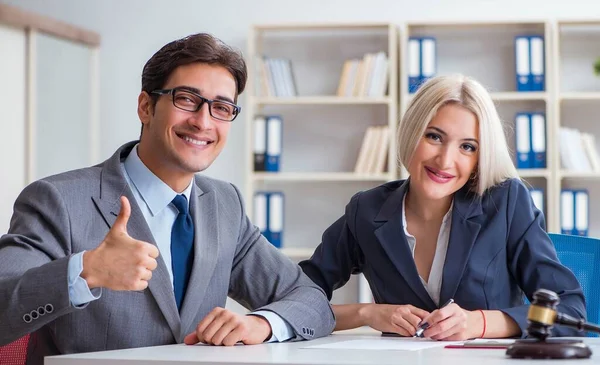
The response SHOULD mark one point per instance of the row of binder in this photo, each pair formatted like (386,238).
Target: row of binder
(275,77)
(422,61)
(364,77)
(268,215)
(529,62)
(574,212)
(530,140)
(268,137)
(578,150)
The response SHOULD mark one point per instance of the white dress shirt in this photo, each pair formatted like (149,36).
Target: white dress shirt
(434,284)
(154,197)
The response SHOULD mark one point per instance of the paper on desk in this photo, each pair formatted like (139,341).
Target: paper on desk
(405,344)
(495,341)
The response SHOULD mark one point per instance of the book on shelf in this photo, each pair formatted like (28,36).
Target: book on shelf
(530,140)
(275,77)
(268,137)
(366,77)
(529,63)
(422,61)
(260,143)
(373,151)
(574,212)
(578,150)
(269,215)
(537,195)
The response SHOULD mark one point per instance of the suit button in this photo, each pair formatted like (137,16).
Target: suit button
(49,308)
(27,318)
(34,314)
(41,311)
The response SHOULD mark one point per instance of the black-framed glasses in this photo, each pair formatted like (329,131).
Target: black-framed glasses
(190,101)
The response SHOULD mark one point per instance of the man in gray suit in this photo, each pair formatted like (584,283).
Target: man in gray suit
(140,251)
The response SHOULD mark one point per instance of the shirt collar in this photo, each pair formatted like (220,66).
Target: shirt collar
(155,193)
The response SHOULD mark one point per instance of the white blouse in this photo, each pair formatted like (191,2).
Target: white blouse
(434,285)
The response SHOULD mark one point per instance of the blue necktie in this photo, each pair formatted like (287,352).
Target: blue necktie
(182,248)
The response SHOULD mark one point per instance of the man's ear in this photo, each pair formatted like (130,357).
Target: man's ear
(145,108)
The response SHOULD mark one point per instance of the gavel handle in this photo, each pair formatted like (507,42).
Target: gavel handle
(580,324)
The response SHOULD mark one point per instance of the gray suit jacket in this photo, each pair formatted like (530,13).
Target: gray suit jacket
(61,215)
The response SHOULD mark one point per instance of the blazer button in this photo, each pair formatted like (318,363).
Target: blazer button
(41,311)
(49,308)
(27,318)
(34,314)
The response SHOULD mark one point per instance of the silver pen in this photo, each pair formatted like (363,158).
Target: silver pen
(423,326)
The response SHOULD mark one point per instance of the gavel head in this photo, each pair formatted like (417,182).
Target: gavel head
(542,313)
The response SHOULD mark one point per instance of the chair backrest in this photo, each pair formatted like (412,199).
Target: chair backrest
(14,353)
(582,256)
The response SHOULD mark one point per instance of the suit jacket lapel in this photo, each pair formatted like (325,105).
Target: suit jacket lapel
(203,208)
(463,235)
(393,240)
(112,186)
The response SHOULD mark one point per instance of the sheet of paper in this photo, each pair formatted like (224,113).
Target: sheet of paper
(404,344)
(496,341)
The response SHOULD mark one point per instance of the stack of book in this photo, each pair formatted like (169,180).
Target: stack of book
(275,77)
(578,150)
(366,77)
(373,151)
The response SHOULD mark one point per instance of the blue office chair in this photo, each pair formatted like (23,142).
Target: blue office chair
(582,256)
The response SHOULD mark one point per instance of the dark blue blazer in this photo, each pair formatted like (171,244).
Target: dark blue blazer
(498,250)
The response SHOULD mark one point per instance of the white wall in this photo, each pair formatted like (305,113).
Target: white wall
(133,30)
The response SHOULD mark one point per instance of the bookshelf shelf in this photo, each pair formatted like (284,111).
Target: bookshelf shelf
(513,96)
(517,96)
(534,172)
(321,100)
(320,27)
(583,95)
(319,176)
(567,174)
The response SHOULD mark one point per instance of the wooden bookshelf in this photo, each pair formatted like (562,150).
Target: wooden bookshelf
(576,96)
(491,46)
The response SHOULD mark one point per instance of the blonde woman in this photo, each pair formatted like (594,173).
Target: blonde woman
(461,227)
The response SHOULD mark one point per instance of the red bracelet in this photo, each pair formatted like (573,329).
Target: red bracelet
(484,323)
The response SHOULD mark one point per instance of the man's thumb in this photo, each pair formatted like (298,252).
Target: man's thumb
(121,222)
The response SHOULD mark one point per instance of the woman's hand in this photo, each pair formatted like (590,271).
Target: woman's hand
(401,319)
(452,323)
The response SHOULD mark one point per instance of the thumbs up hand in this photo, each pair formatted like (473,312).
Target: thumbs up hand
(120,262)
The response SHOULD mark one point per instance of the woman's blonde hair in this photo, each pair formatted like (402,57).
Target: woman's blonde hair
(495,164)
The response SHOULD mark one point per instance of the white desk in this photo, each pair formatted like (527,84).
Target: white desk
(295,353)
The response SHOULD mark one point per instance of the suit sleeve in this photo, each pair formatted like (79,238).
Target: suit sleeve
(262,278)
(338,256)
(533,261)
(34,257)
